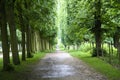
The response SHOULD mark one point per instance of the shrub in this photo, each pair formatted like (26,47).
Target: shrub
(102,52)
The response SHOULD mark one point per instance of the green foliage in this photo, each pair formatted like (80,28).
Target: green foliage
(80,19)
(104,68)
(79,22)
(40,15)
(105,64)
(85,47)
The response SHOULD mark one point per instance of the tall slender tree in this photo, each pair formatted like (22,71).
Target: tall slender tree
(20,7)
(12,26)
(97,26)
(4,35)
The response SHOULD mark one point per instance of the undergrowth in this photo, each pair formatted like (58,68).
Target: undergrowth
(84,53)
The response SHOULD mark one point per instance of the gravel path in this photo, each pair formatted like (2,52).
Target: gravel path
(62,66)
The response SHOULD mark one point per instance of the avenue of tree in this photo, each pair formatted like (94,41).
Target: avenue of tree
(93,21)
(33,25)
(35,21)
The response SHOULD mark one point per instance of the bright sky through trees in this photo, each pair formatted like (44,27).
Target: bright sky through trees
(61,17)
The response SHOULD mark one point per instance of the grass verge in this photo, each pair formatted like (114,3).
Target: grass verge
(18,74)
(104,68)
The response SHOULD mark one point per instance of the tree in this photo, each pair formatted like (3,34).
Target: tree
(4,35)
(97,29)
(36,21)
(12,27)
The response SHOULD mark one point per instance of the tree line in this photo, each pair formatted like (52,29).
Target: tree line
(35,19)
(93,21)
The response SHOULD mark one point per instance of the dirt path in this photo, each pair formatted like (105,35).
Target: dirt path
(62,66)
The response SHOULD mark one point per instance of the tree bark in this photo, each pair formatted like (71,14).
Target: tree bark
(118,51)
(23,44)
(36,45)
(98,42)
(97,28)
(45,44)
(116,38)
(23,34)
(33,38)
(4,35)
(13,36)
(22,30)
(109,46)
(29,55)
(42,48)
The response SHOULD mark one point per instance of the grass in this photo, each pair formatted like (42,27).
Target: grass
(99,65)
(20,69)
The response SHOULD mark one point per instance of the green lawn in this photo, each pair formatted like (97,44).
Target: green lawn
(20,69)
(104,68)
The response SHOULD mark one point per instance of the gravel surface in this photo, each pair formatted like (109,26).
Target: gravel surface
(62,66)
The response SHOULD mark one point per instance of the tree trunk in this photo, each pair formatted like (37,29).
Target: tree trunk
(42,47)
(109,46)
(93,45)
(30,41)
(45,43)
(4,35)
(98,43)
(29,55)
(33,38)
(116,38)
(36,45)
(23,44)
(112,51)
(49,44)
(13,36)
(118,49)
(22,30)
(117,45)
(37,41)
(23,41)
(97,28)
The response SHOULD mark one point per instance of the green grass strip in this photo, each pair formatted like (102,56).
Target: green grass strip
(99,65)
(20,69)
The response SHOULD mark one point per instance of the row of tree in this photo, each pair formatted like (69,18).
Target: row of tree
(96,21)
(35,19)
